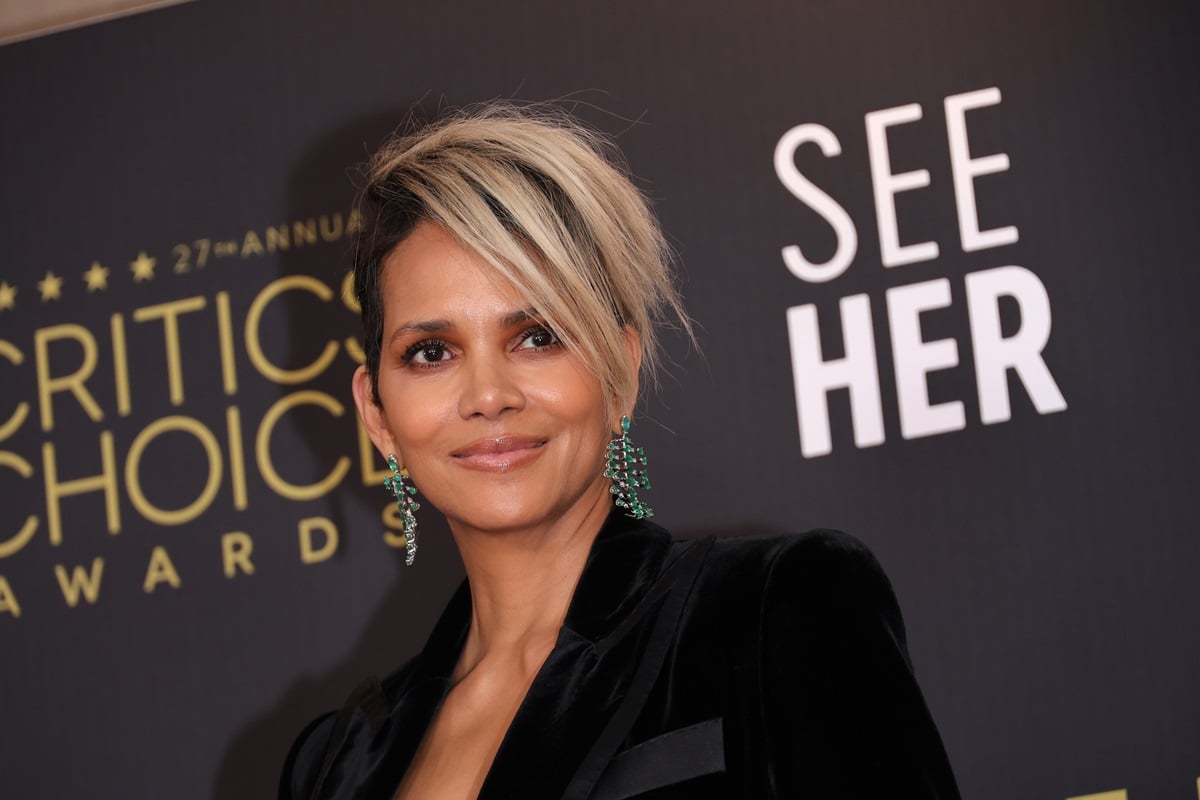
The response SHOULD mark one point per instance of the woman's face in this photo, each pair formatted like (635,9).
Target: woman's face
(499,425)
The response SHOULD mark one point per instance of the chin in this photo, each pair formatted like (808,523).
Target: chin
(501,521)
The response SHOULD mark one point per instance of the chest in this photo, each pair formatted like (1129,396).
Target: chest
(458,748)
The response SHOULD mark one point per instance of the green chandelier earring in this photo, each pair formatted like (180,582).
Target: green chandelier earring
(403,492)
(626,465)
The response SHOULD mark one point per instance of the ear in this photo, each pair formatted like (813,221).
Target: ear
(371,414)
(633,349)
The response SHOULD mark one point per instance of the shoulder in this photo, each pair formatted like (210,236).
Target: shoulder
(811,561)
(305,756)
(841,710)
(817,579)
(368,703)
(819,543)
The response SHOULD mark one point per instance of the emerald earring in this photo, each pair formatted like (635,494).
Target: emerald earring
(626,465)
(403,492)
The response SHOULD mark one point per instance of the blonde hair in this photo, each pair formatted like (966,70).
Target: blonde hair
(548,204)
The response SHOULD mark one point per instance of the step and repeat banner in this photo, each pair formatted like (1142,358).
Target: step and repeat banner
(942,265)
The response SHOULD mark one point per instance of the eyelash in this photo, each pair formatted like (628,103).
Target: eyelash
(411,352)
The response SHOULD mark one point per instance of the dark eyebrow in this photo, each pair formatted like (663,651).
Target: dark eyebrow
(517,317)
(510,320)
(424,326)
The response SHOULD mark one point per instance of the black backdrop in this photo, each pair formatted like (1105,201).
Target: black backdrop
(1046,561)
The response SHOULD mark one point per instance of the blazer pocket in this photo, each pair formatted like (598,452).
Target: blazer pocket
(672,757)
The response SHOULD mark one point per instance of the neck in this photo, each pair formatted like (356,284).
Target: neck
(522,582)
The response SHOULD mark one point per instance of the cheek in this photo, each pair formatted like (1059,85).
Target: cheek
(574,396)
(415,414)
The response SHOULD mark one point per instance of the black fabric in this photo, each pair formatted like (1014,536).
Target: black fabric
(673,757)
(795,642)
(675,589)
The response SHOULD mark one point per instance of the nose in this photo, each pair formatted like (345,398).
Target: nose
(490,387)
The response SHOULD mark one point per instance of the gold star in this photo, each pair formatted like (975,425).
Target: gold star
(96,277)
(50,287)
(8,296)
(143,267)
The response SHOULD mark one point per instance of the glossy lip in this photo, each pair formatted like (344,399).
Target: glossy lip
(499,453)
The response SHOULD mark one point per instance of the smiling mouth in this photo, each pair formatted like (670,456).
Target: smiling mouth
(499,453)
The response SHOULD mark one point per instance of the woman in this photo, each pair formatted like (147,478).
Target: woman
(511,281)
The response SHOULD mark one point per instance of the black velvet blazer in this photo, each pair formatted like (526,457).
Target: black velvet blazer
(759,667)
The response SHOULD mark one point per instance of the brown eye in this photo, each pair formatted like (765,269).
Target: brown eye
(538,338)
(427,353)
(432,353)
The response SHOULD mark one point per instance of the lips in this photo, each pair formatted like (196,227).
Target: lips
(499,453)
